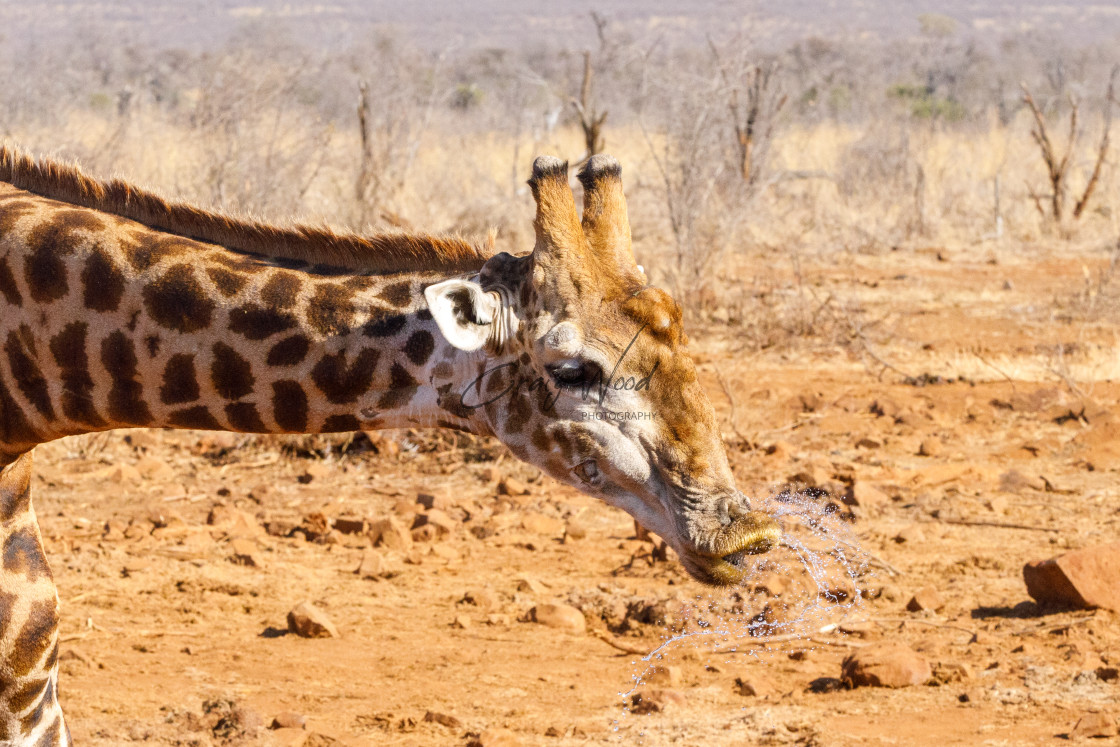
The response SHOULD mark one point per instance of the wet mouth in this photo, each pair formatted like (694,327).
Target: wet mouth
(759,534)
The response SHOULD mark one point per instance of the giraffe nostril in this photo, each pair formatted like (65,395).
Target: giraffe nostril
(588,471)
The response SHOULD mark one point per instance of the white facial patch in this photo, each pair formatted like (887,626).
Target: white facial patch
(564,340)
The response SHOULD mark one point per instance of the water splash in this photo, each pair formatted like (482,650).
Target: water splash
(816,579)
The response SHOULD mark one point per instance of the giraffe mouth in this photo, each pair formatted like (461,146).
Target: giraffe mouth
(753,534)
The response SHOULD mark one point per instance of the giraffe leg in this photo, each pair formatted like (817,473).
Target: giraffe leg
(29,711)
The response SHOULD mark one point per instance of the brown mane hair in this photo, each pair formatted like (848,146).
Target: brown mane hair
(382,253)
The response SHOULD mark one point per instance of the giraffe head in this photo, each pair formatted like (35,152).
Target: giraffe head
(581,368)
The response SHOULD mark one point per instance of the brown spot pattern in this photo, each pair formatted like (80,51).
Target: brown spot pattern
(34,638)
(230,372)
(281,289)
(8,285)
(180,383)
(102,283)
(126,403)
(177,301)
(341,424)
(398,294)
(289,351)
(289,406)
(15,497)
(228,283)
(243,416)
(384,325)
(13,423)
(402,387)
(69,350)
(330,310)
(419,347)
(26,372)
(150,251)
(195,417)
(255,322)
(344,383)
(24,555)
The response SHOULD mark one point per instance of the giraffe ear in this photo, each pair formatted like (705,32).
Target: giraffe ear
(464,312)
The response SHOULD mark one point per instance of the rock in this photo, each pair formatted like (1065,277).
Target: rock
(1083,578)
(373,565)
(244,551)
(561,616)
(308,621)
(665,675)
(498,619)
(234,522)
(118,473)
(754,686)
(575,530)
(1014,481)
(885,665)
(391,534)
(655,701)
(316,471)
(868,443)
(530,585)
(910,535)
(780,451)
(925,599)
(151,468)
(443,719)
(512,486)
(449,554)
(349,525)
(495,738)
(949,672)
(929,447)
(1094,725)
(541,524)
(430,501)
(485,599)
(1108,674)
(461,621)
(288,720)
(866,496)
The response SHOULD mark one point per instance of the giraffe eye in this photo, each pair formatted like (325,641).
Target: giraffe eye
(587,471)
(576,374)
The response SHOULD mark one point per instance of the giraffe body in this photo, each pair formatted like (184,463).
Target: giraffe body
(118,309)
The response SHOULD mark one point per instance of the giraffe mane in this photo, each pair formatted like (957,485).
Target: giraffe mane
(379,253)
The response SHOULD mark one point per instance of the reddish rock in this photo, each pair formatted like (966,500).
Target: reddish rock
(655,701)
(308,621)
(244,551)
(925,599)
(930,447)
(496,738)
(350,525)
(885,665)
(512,486)
(867,497)
(561,616)
(754,686)
(391,534)
(664,675)
(373,565)
(443,719)
(1094,725)
(288,720)
(1083,578)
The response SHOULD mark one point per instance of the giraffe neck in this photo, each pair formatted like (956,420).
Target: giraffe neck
(108,324)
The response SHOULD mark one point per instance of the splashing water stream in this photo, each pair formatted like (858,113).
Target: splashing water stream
(815,580)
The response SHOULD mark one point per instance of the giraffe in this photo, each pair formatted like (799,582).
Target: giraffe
(120,309)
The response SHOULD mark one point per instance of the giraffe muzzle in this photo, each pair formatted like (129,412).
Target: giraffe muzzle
(752,533)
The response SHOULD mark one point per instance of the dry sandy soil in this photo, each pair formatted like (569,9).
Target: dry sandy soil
(172,638)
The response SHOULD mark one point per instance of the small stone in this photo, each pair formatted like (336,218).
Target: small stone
(949,672)
(885,665)
(233,522)
(925,599)
(317,471)
(1014,481)
(512,486)
(373,565)
(754,686)
(484,599)
(910,535)
(1081,579)
(308,621)
(498,619)
(561,616)
(118,473)
(496,738)
(391,534)
(868,443)
(289,737)
(151,468)
(930,447)
(530,585)
(997,504)
(244,551)
(443,719)
(1108,674)
(655,701)
(574,530)
(1094,725)
(444,552)
(541,524)
(349,525)
(866,496)
(461,621)
(665,675)
(780,451)
(429,501)
(288,720)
